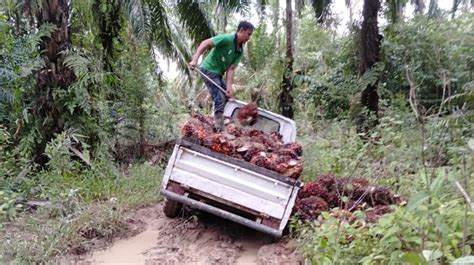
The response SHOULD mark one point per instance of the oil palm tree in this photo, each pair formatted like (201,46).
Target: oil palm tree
(369,55)
(285,98)
(158,23)
(155,22)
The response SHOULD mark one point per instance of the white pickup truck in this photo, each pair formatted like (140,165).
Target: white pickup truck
(228,187)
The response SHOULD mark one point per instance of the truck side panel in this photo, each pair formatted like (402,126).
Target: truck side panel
(230,182)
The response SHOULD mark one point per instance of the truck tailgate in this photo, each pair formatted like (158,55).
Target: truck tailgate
(231,180)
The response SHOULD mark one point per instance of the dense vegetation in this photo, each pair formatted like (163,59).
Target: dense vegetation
(83,100)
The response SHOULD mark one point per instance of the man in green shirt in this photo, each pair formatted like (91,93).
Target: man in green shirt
(225,55)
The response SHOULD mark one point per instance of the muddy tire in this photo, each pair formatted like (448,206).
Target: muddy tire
(172,208)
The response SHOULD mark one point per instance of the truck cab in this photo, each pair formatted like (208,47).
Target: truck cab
(229,187)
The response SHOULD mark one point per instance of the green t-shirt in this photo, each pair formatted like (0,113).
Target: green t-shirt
(223,54)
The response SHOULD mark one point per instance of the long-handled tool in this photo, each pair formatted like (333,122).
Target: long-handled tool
(248,114)
(212,81)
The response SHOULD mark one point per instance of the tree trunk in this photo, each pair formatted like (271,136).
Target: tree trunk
(370,54)
(396,11)
(433,9)
(54,75)
(285,97)
(110,24)
(321,10)
(419,6)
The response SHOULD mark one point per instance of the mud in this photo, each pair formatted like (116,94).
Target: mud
(194,238)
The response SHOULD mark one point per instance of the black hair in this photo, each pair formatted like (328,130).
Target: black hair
(245,25)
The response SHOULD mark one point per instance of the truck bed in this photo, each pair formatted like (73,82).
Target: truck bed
(266,196)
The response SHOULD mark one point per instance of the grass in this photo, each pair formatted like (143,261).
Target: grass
(420,166)
(87,210)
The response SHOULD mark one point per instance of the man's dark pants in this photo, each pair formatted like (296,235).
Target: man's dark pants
(218,97)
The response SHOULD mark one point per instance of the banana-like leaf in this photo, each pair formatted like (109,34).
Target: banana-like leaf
(165,36)
(261,7)
(194,20)
(136,17)
(241,6)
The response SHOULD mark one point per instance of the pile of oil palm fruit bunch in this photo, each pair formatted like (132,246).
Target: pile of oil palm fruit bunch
(348,194)
(265,150)
(248,115)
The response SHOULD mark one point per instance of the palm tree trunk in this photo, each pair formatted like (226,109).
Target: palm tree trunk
(110,24)
(285,97)
(54,75)
(419,6)
(370,54)
(433,9)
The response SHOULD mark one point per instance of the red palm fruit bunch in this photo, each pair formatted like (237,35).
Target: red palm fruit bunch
(261,159)
(359,188)
(207,120)
(310,207)
(293,169)
(328,181)
(295,147)
(253,133)
(262,149)
(195,130)
(275,136)
(374,214)
(268,141)
(234,130)
(381,196)
(253,149)
(248,114)
(351,194)
(312,189)
(219,143)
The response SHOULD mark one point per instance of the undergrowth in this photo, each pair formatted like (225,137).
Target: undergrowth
(435,224)
(71,207)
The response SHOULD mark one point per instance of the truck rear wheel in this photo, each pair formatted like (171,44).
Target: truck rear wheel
(172,208)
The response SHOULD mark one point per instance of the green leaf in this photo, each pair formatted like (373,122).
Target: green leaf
(324,242)
(437,183)
(470,143)
(432,255)
(411,258)
(464,260)
(417,200)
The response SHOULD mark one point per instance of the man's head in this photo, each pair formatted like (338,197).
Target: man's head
(244,31)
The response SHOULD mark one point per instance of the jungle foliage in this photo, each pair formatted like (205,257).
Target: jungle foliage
(86,91)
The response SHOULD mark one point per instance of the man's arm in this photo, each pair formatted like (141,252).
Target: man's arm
(229,76)
(204,46)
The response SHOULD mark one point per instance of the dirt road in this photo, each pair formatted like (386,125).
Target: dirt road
(197,238)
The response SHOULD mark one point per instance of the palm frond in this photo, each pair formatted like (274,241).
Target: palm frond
(194,20)
(87,69)
(240,6)
(136,17)
(261,7)
(6,91)
(321,9)
(164,35)
(45,30)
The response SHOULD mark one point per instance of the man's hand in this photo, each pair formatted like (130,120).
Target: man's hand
(230,81)
(192,64)
(204,46)
(230,92)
